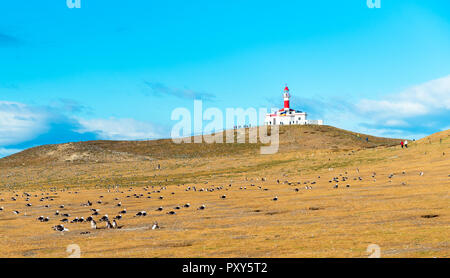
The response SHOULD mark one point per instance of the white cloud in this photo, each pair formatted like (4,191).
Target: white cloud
(6,152)
(394,122)
(23,126)
(19,122)
(120,129)
(413,113)
(423,99)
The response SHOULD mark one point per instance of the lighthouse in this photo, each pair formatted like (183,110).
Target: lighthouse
(288,116)
(286,97)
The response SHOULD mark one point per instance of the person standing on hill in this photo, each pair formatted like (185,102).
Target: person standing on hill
(401,143)
(406,143)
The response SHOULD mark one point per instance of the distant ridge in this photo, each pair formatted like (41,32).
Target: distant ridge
(304,137)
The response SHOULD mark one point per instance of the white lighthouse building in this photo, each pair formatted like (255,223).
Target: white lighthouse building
(288,116)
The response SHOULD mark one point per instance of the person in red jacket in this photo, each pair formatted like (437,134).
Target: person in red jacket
(401,143)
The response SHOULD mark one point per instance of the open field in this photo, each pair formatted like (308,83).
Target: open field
(397,198)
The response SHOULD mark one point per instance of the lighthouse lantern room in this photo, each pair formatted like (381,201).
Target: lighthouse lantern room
(288,116)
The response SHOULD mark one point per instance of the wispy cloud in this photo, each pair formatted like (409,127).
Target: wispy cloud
(70,106)
(8,40)
(160,89)
(429,98)
(415,112)
(6,152)
(23,126)
(19,122)
(120,129)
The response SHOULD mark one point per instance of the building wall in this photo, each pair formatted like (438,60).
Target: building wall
(295,119)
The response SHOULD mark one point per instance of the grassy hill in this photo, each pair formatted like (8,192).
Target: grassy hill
(292,138)
(392,197)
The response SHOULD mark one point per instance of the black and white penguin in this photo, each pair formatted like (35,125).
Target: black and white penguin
(202,207)
(93,224)
(155,226)
(60,228)
(104,218)
(109,225)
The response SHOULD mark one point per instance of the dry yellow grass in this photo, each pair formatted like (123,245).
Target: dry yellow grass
(318,222)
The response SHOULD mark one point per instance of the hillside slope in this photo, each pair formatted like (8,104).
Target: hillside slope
(309,137)
(329,203)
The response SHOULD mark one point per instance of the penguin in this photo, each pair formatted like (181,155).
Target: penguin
(202,207)
(60,228)
(109,225)
(155,226)
(93,224)
(104,218)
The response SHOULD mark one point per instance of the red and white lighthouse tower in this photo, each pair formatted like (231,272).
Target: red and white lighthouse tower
(286,97)
(288,116)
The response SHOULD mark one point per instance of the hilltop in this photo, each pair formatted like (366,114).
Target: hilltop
(292,138)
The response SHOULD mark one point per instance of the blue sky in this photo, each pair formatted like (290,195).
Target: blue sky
(117,69)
